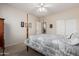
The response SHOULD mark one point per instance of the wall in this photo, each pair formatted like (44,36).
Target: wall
(72,13)
(32,20)
(14,33)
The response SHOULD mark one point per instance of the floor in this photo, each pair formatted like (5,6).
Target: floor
(19,50)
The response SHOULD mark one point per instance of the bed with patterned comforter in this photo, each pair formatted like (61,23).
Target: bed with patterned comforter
(54,45)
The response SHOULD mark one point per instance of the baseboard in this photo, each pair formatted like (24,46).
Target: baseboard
(13,44)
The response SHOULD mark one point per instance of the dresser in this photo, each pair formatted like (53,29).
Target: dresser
(2,34)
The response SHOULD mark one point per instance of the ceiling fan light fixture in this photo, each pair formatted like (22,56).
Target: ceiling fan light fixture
(42,4)
(42,9)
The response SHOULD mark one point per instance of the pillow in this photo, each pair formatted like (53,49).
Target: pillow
(75,35)
(74,41)
(69,36)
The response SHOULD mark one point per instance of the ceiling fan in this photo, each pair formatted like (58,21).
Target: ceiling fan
(42,7)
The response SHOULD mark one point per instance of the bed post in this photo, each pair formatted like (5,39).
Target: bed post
(27,30)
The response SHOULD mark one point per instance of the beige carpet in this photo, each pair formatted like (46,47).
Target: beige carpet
(19,50)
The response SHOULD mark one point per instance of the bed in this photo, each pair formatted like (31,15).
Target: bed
(54,45)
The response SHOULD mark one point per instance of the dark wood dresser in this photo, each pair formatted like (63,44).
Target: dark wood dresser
(2,34)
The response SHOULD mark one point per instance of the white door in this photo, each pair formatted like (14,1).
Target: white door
(66,27)
(71,26)
(38,27)
(60,27)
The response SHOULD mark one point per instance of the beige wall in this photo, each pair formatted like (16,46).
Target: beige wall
(14,34)
(32,20)
(72,13)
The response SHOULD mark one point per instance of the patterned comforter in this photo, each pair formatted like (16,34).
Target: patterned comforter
(52,45)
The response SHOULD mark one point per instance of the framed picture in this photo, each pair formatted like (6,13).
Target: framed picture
(51,25)
(22,24)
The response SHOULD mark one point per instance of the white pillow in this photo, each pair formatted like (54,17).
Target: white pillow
(75,35)
(74,41)
(67,36)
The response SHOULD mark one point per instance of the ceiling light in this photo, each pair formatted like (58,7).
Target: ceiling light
(42,4)
(42,9)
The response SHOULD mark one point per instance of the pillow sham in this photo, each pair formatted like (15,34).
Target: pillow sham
(74,41)
(74,38)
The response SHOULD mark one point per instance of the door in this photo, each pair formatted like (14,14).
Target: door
(38,28)
(71,26)
(60,27)
(66,27)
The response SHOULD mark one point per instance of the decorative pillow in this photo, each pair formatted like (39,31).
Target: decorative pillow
(74,41)
(67,36)
(75,35)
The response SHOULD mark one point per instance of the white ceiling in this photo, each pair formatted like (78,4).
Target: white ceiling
(52,8)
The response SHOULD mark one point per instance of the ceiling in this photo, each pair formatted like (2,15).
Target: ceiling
(51,8)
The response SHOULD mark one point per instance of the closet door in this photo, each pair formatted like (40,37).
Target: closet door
(38,27)
(60,27)
(70,26)
(66,27)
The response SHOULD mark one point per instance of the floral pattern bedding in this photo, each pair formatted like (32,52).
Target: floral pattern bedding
(52,45)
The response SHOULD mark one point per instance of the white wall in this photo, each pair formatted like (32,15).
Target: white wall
(72,13)
(32,20)
(13,33)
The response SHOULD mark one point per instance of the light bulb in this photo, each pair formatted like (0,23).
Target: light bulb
(42,9)
(42,4)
